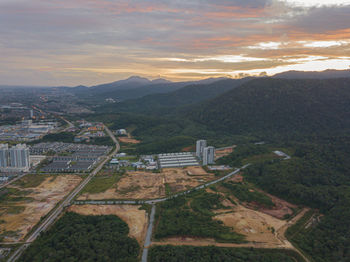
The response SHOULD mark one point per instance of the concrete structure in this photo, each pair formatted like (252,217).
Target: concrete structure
(200,145)
(208,155)
(15,158)
(177,160)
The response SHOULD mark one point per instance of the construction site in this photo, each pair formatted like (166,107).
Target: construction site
(148,185)
(22,205)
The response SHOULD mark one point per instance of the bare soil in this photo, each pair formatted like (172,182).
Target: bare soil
(148,185)
(128,140)
(136,219)
(223,152)
(44,197)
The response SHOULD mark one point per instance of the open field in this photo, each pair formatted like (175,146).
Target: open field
(136,219)
(25,202)
(128,140)
(255,225)
(148,185)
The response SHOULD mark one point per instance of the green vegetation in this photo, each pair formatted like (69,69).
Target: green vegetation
(241,154)
(66,137)
(32,180)
(248,194)
(84,238)
(101,141)
(8,195)
(15,209)
(191,215)
(99,183)
(167,189)
(309,117)
(299,225)
(279,108)
(220,254)
(129,189)
(316,176)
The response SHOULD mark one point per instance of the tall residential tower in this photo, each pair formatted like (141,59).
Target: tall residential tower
(15,158)
(200,145)
(208,155)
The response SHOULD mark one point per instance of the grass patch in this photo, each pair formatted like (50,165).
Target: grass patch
(248,194)
(15,209)
(299,225)
(167,189)
(99,184)
(129,189)
(32,180)
(13,195)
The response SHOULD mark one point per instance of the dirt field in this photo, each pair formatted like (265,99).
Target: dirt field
(128,140)
(136,219)
(223,152)
(147,185)
(43,198)
(280,209)
(255,225)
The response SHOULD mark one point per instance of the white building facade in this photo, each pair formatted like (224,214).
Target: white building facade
(208,155)
(15,158)
(200,145)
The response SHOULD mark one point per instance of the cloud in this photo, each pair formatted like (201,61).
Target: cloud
(92,41)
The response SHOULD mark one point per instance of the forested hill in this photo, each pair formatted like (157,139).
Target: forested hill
(168,102)
(265,106)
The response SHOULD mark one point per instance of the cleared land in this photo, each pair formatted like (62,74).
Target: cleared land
(223,152)
(136,219)
(260,230)
(148,185)
(262,226)
(128,140)
(25,202)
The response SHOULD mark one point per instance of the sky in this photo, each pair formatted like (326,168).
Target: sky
(87,42)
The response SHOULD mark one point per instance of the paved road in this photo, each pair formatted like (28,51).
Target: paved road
(148,241)
(53,216)
(70,124)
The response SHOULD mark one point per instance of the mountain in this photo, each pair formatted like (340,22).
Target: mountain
(131,88)
(279,106)
(172,101)
(131,82)
(314,74)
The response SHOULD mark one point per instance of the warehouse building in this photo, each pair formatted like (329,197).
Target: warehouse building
(177,160)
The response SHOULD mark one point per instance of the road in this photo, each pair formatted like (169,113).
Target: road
(55,214)
(148,241)
(70,124)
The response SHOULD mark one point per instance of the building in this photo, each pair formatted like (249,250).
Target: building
(200,145)
(15,158)
(3,155)
(121,132)
(208,155)
(177,160)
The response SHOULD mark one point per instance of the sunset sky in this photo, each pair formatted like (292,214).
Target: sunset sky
(72,42)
